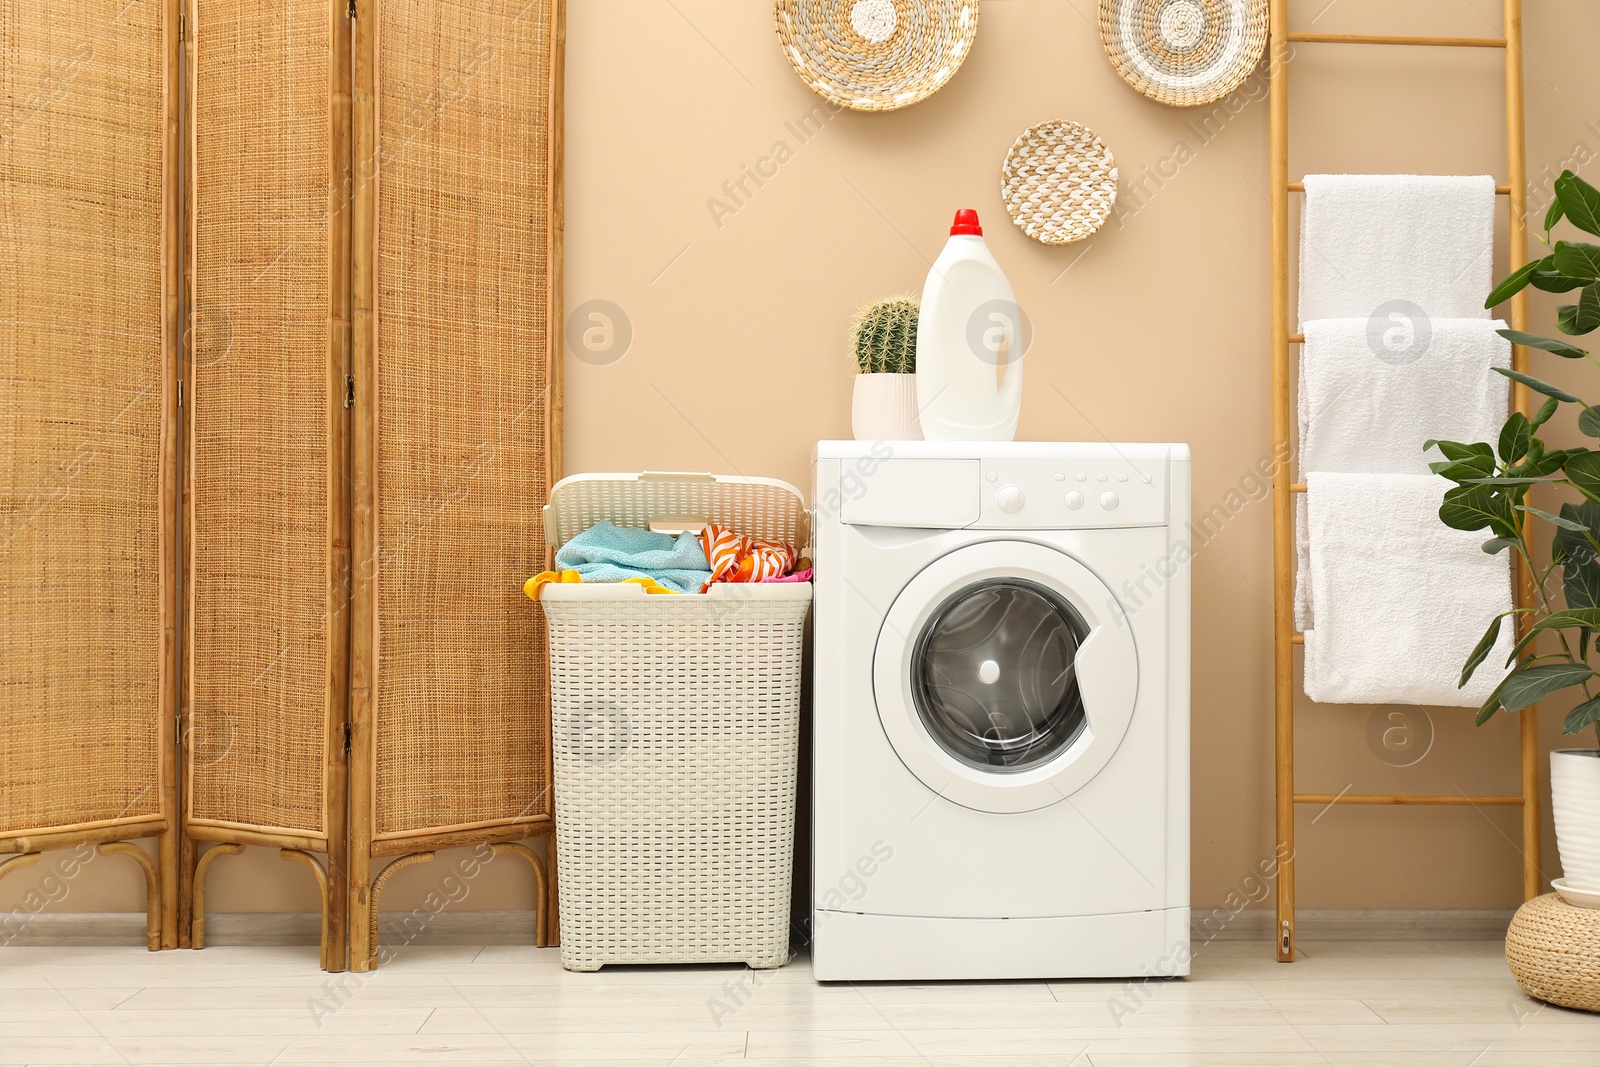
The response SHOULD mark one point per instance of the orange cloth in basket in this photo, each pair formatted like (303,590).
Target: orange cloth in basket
(737,558)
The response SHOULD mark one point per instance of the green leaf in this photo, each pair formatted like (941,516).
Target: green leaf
(1556,520)
(1582,317)
(1529,685)
(1547,344)
(1509,480)
(1496,545)
(1581,717)
(1476,507)
(1588,423)
(1514,437)
(1580,569)
(1480,652)
(1457,450)
(1588,618)
(1537,386)
(1553,215)
(1583,471)
(1580,202)
(1467,470)
(1577,260)
(1546,410)
(1541,463)
(1491,705)
(1550,281)
(1515,282)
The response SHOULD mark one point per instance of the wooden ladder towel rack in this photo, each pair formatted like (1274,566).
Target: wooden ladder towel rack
(1283,554)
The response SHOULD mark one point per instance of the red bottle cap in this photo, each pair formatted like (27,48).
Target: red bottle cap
(966,223)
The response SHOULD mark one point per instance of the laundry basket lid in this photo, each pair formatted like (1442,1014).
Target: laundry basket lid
(668,501)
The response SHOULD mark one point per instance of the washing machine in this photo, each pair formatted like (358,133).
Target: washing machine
(1001,710)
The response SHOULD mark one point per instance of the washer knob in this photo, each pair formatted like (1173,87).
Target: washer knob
(1109,501)
(1010,498)
(1074,500)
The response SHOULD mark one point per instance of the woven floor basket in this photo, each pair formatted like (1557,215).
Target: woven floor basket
(1554,952)
(676,723)
(1059,182)
(876,55)
(1184,52)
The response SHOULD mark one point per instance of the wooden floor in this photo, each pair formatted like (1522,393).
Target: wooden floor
(1413,1003)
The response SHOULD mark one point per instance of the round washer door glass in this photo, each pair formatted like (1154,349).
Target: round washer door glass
(993,675)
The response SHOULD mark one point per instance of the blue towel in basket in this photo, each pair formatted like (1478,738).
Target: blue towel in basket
(608,553)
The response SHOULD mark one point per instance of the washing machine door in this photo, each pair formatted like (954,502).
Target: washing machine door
(1005,676)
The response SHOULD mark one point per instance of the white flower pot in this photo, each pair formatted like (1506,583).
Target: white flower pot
(884,408)
(1575,802)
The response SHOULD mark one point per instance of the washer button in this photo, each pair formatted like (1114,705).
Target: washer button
(1122,477)
(1061,477)
(1010,498)
(1145,478)
(1074,500)
(1099,477)
(992,476)
(1080,476)
(1109,501)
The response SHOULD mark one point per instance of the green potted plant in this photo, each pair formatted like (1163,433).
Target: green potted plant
(1556,649)
(883,336)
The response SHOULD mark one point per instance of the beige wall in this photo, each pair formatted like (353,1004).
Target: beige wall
(1154,329)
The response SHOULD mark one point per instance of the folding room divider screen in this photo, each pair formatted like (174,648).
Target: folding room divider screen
(458,302)
(366,678)
(88,481)
(268,431)
(364,422)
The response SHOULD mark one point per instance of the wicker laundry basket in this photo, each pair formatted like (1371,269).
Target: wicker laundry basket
(676,728)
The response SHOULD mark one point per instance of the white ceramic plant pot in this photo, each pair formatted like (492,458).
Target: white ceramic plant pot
(884,408)
(1575,802)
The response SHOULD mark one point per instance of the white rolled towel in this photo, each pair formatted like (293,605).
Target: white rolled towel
(1401,598)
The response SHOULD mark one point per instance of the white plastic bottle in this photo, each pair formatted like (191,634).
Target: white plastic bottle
(968,329)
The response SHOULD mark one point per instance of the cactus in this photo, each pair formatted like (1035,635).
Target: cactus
(884,336)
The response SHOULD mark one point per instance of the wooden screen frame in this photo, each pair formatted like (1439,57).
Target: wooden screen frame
(232,837)
(110,836)
(366,845)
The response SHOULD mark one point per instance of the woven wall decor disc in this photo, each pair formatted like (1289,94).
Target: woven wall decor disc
(1184,52)
(1059,182)
(876,55)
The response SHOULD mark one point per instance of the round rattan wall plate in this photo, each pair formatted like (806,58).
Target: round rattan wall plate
(1184,52)
(1059,182)
(876,55)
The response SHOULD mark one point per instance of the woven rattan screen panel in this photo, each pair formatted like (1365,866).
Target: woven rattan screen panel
(83,391)
(463,273)
(263,459)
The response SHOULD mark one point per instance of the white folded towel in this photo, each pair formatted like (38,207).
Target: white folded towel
(1367,240)
(1368,407)
(1401,598)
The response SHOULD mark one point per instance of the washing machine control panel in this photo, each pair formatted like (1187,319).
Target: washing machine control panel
(1051,494)
(943,487)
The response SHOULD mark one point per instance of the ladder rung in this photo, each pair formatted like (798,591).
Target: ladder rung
(1300,187)
(1298,487)
(1298,639)
(1386,38)
(1380,798)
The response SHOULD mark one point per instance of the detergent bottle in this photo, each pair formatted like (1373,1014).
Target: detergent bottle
(969,343)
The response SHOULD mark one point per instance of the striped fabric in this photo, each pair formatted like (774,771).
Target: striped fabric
(737,558)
